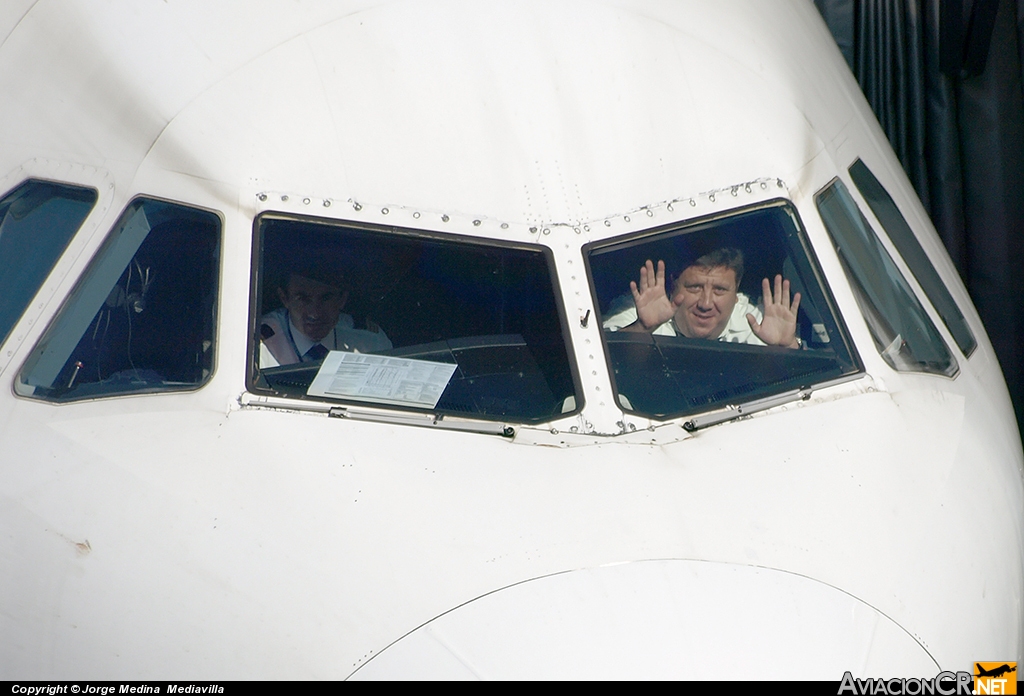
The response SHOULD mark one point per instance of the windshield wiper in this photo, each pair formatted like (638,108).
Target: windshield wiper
(433,420)
(733,412)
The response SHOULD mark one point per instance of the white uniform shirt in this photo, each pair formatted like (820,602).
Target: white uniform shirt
(623,313)
(342,337)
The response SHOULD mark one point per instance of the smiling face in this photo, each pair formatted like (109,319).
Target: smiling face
(313,307)
(705,298)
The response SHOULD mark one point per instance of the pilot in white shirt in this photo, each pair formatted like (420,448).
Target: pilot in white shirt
(705,303)
(310,324)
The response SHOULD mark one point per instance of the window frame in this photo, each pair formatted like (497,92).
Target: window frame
(790,209)
(913,255)
(256,312)
(899,265)
(83,277)
(17,319)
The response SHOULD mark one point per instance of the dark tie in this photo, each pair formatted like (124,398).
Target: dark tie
(317,352)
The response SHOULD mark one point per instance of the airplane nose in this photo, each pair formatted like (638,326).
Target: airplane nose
(665,619)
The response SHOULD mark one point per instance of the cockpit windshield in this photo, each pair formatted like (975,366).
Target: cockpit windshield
(407,319)
(716,313)
(142,318)
(37,221)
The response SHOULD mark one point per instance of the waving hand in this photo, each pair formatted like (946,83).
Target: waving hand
(778,327)
(653,306)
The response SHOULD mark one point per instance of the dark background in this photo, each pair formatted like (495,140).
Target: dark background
(944,79)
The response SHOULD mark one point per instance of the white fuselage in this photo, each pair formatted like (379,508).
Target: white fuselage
(876,527)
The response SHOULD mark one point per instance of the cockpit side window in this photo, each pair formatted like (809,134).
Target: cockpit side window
(408,320)
(903,238)
(716,312)
(37,221)
(904,335)
(142,318)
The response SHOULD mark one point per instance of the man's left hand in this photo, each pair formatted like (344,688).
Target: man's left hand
(778,327)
